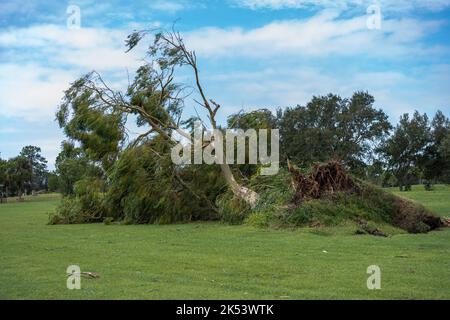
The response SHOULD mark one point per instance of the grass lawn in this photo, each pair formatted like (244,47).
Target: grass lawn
(215,261)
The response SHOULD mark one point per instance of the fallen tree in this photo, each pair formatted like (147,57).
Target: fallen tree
(137,182)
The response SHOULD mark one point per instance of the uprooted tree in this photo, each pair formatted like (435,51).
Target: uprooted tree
(95,115)
(136,181)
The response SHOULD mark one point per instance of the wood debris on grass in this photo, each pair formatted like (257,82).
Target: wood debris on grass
(89,275)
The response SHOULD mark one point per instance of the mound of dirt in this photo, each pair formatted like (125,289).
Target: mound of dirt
(326,179)
(323,179)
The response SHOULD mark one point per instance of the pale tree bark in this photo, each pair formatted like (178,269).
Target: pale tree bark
(174,39)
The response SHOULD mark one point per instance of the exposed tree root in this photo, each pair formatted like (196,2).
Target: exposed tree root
(323,179)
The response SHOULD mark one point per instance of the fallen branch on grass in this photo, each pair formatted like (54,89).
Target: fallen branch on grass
(89,275)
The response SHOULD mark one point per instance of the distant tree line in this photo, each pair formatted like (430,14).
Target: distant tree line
(351,130)
(416,150)
(25,174)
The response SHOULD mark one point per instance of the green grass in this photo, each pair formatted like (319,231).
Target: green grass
(216,261)
(437,200)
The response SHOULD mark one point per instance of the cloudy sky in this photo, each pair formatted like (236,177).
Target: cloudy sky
(252,53)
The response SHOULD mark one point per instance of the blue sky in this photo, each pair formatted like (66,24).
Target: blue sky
(252,53)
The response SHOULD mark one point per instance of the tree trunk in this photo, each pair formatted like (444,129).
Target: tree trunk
(244,193)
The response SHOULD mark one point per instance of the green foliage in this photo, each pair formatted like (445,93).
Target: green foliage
(3,173)
(53,182)
(38,166)
(20,174)
(275,208)
(86,206)
(274,194)
(255,120)
(436,159)
(316,213)
(24,173)
(331,127)
(259,119)
(259,219)
(405,150)
(67,212)
(98,131)
(145,187)
(231,209)
(72,165)
(139,188)
(444,151)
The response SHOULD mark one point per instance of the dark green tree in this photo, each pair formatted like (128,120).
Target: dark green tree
(53,182)
(406,149)
(19,174)
(3,178)
(435,165)
(258,119)
(444,151)
(38,166)
(330,127)
(72,165)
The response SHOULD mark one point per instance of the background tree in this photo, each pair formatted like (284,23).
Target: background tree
(405,150)
(53,182)
(20,175)
(435,165)
(330,127)
(38,166)
(444,151)
(257,119)
(3,178)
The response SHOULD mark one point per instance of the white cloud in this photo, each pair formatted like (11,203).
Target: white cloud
(168,6)
(30,91)
(8,130)
(388,5)
(323,34)
(43,60)
(100,49)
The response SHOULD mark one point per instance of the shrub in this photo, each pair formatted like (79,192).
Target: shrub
(232,210)
(259,219)
(86,206)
